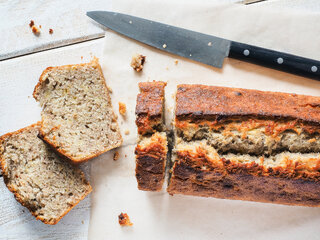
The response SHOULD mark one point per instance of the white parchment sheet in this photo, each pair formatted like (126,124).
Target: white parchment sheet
(158,215)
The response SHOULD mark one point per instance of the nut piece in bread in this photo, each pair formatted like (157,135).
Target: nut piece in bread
(246,144)
(77,116)
(151,150)
(40,180)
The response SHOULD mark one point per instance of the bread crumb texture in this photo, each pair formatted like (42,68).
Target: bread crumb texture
(124,220)
(31,23)
(77,115)
(40,180)
(122,108)
(137,62)
(116,156)
(35,30)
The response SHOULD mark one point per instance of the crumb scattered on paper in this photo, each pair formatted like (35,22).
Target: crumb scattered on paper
(109,89)
(167,68)
(50,31)
(125,155)
(176,61)
(31,23)
(124,220)
(36,30)
(127,132)
(40,26)
(116,156)
(82,222)
(122,108)
(137,62)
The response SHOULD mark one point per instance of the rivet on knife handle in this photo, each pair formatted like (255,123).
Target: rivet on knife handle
(277,60)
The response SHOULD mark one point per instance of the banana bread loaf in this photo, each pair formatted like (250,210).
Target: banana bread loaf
(246,144)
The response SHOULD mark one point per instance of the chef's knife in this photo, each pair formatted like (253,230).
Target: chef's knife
(201,47)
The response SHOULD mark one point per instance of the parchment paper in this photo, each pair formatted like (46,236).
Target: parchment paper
(158,215)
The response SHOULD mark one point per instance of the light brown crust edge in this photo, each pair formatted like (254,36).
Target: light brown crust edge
(14,191)
(94,62)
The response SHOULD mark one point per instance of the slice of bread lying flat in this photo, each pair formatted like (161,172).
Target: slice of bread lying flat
(77,115)
(246,144)
(41,180)
(151,150)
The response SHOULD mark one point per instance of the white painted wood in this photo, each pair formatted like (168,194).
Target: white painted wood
(67,19)
(18,109)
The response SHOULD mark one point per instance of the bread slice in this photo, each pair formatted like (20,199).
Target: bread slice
(151,151)
(39,179)
(77,116)
(246,144)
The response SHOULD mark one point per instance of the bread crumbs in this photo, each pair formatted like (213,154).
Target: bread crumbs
(122,108)
(127,132)
(50,31)
(31,23)
(36,30)
(109,89)
(116,156)
(176,61)
(124,220)
(137,62)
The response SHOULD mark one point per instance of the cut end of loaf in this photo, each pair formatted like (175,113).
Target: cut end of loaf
(77,115)
(42,181)
(152,148)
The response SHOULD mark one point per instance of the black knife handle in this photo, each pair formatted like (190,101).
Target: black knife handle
(276,60)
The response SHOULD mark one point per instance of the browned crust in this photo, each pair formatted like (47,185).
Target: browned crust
(18,196)
(216,103)
(149,108)
(52,143)
(150,165)
(291,184)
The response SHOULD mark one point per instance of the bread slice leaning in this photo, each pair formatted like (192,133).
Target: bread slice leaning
(77,115)
(40,180)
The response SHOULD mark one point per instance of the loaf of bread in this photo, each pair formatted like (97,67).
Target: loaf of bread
(40,180)
(246,144)
(77,115)
(151,150)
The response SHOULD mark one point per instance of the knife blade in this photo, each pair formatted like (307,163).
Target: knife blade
(207,49)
